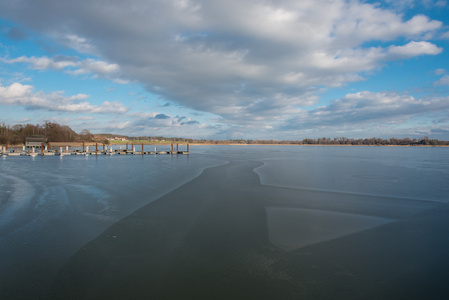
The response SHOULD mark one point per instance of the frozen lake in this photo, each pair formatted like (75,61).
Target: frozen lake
(52,206)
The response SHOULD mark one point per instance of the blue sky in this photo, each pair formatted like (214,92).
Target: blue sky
(253,69)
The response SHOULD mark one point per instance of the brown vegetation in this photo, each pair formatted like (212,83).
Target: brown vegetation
(52,131)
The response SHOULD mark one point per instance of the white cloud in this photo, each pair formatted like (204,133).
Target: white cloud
(443,81)
(18,94)
(80,44)
(413,49)
(96,67)
(42,63)
(15,90)
(70,65)
(368,23)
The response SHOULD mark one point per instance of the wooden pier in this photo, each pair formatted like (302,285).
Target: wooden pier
(86,150)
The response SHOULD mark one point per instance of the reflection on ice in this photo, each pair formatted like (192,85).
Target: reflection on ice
(17,196)
(359,176)
(98,200)
(292,228)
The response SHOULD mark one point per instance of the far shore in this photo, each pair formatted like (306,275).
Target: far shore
(167,143)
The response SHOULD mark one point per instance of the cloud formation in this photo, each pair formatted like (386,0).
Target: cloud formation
(366,108)
(71,65)
(443,80)
(413,49)
(18,94)
(255,63)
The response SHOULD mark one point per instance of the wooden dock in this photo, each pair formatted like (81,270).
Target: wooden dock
(66,151)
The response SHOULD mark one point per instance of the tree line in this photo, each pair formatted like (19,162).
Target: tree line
(54,132)
(61,133)
(425,141)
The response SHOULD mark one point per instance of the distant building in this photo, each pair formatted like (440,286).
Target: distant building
(117,139)
(36,141)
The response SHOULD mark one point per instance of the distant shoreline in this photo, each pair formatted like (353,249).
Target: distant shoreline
(99,144)
(18,134)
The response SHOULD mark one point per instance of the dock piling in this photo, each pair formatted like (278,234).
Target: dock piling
(59,150)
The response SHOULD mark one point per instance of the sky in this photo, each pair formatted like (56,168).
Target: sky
(234,69)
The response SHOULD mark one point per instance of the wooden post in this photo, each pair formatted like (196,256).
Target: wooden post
(103,146)
(177,149)
(83,146)
(187,147)
(142,148)
(96,148)
(171,148)
(42,148)
(126,146)
(6,146)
